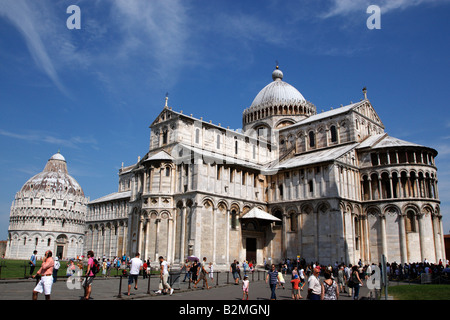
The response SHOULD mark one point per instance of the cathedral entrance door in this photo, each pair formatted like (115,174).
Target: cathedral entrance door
(60,251)
(250,246)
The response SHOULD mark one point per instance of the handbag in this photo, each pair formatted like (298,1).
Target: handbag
(350,283)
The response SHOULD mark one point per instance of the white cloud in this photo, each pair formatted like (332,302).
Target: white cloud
(43,137)
(30,24)
(345,7)
(154,30)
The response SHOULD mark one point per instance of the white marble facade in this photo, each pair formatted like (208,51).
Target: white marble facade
(48,213)
(341,188)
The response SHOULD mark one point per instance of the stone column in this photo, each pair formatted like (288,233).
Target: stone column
(183,233)
(147,236)
(214,234)
(171,224)
(228,236)
(403,246)
(284,237)
(383,236)
(441,228)
(140,237)
(420,217)
(125,238)
(391,186)
(437,241)
(157,222)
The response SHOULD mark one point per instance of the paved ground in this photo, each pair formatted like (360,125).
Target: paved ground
(108,289)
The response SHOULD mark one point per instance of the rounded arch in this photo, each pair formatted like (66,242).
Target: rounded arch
(427,208)
(373,210)
(411,206)
(283,122)
(208,201)
(165,214)
(306,208)
(291,208)
(391,208)
(153,214)
(323,207)
(235,207)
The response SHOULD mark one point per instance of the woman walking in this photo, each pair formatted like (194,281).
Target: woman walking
(356,282)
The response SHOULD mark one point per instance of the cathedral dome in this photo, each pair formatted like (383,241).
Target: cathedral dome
(277,104)
(278,93)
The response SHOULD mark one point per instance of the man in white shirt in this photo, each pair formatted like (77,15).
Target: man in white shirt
(135,267)
(164,275)
(314,286)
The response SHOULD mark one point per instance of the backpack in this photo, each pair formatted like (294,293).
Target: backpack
(95,267)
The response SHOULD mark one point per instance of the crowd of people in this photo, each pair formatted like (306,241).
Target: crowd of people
(341,278)
(325,282)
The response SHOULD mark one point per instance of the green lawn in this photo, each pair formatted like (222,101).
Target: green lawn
(15,269)
(420,292)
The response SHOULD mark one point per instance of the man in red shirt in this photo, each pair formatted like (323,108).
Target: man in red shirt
(46,277)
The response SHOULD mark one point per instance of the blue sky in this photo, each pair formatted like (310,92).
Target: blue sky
(93,92)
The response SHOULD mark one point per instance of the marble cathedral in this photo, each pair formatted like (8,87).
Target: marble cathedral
(329,186)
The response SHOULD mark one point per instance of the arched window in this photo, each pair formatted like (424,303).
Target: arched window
(165,136)
(410,221)
(278,214)
(294,221)
(357,233)
(333,133)
(235,145)
(233,219)
(312,139)
(167,171)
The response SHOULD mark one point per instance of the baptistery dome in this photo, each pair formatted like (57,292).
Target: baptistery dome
(48,213)
(54,180)
(278,104)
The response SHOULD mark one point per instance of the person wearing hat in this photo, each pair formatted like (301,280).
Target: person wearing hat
(295,288)
(56,268)
(136,265)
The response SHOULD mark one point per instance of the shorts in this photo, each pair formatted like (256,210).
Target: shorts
(132,278)
(294,291)
(235,275)
(88,281)
(44,285)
